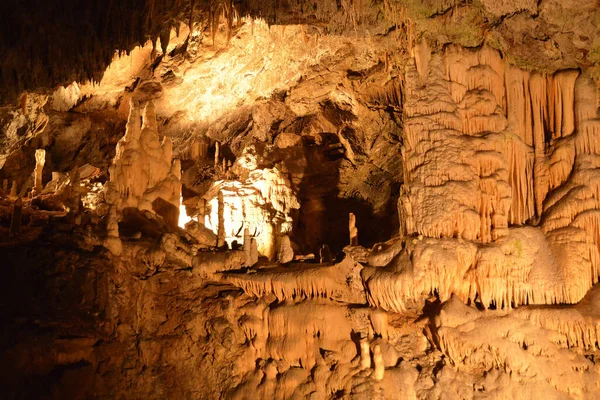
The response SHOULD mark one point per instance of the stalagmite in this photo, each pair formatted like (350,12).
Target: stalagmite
(202,211)
(40,160)
(143,174)
(5,185)
(365,354)
(270,249)
(13,189)
(285,253)
(325,255)
(253,252)
(217,155)
(379,367)
(353,230)
(250,251)
(15,220)
(224,165)
(112,241)
(221,221)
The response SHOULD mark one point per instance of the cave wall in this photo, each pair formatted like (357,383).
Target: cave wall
(463,136)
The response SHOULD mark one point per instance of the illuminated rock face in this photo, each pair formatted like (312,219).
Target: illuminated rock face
(263,204)
(488,146)
(143,174)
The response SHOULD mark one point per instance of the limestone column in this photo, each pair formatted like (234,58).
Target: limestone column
(112,241)
(378,362)
(325,255)
(202,211)
(353,230)
(13,189)
(365,354)
(217,151)
(286,253)
(221,218)
(253,252)
(271,242)
(246,245)
(40,160)
(250,249)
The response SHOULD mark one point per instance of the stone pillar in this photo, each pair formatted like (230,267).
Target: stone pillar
(15,221)
(112,241)
(40,160)
(378,362)
(253,251)
(217,153)
(286,253)
(250,249)
(202,211)
(325,255)
(353,230)
(246,244)
(271,242)
(365,354)
(13,189)
(221,217)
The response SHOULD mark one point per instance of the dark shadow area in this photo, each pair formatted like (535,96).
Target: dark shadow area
(53,298)
(45,43)
(324,212)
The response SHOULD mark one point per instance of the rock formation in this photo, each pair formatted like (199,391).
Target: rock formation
(143,174)
(262,203)
(285,253)
(462,137)
(40,160)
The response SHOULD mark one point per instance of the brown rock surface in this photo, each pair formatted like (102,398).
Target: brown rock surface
(345,199)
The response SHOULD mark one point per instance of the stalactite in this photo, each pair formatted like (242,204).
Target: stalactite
(517,269)
(298,282)
(473,340)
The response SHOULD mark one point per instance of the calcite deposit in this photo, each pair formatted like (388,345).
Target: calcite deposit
(294,200)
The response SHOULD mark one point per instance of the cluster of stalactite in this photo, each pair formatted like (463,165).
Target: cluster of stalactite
(49,43)
(488,146)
